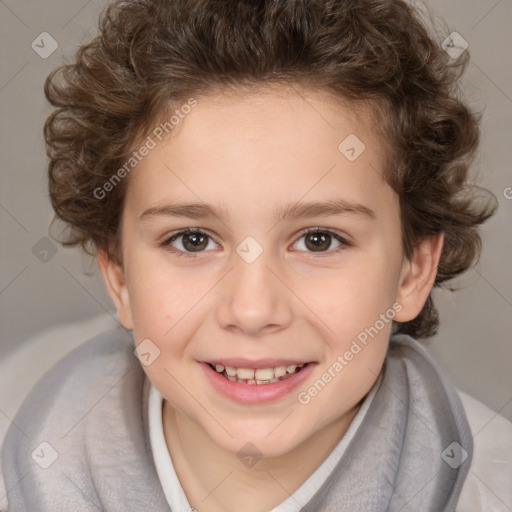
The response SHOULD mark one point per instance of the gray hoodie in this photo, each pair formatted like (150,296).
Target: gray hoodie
(80,441)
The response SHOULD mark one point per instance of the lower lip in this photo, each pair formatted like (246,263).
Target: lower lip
(256,393)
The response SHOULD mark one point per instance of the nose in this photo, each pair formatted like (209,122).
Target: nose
(254,301)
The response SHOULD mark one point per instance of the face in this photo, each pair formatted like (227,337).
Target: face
(294,254)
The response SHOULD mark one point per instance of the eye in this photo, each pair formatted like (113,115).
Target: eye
(320,240)
(189,241)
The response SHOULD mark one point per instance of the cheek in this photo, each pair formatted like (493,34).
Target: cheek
(159,298)
(353,297)
(356,309)
(159,288)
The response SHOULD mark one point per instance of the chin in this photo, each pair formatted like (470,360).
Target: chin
(257,445)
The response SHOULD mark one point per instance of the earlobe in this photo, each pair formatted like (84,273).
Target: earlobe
(418,276)
(115,282)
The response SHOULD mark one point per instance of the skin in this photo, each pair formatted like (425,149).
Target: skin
(251,154)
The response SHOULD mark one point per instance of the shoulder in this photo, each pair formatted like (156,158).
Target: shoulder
(87,388)
(90,368)
(487,486)
(107,355)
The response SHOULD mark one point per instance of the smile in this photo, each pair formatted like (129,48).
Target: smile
(257,376)
(262,383)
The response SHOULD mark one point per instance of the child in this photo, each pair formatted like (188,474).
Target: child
(272,190)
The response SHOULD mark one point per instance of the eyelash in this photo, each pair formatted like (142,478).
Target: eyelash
(167,242)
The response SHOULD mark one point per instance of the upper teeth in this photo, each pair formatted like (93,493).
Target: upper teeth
(259,373)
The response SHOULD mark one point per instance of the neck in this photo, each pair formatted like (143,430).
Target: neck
(215,480)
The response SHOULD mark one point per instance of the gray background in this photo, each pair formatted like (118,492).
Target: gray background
(474,344)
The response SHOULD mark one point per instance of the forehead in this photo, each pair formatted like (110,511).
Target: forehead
(274,117)
(258,149)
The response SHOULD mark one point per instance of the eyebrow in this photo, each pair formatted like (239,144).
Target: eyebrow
(288,212)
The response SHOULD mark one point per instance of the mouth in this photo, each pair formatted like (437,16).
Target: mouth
(257,376)
(258,385)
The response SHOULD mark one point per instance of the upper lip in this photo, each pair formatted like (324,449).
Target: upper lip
(237,362)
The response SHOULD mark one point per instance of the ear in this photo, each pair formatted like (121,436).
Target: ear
(113,275)
(417,277)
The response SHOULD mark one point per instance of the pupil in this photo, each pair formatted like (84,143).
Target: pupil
(196,240)
(320,241)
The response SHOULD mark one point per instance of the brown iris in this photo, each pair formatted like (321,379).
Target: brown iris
(317,242)
(194,242)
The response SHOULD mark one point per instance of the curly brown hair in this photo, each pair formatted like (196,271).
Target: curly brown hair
(152,54)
